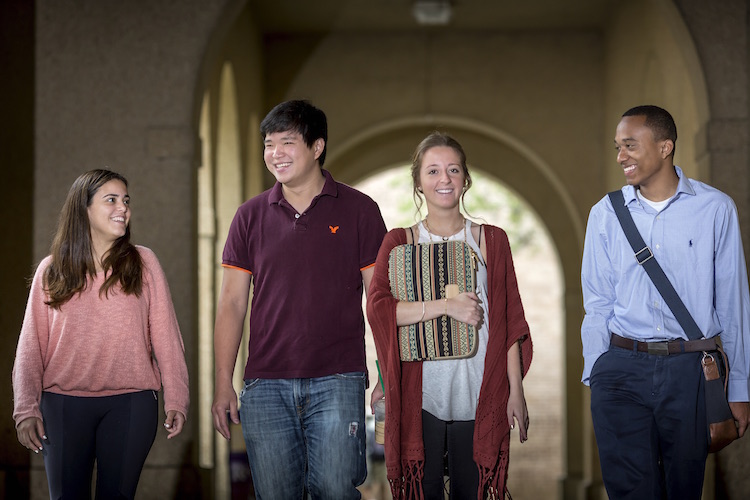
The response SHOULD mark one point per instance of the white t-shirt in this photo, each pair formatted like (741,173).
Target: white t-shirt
(656,205)
(450,388)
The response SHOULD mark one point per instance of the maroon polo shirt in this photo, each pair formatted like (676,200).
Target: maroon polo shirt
(306,313)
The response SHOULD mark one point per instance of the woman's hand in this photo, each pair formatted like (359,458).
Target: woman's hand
(377,395)
(517,412)
(31,433)
(467,308)
(174,423)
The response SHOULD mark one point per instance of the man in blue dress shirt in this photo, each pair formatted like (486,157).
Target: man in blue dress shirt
(648,409)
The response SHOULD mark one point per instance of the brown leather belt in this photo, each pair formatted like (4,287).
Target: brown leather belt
(665,348)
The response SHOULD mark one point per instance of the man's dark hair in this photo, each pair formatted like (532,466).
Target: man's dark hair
(298,116)
(659,121)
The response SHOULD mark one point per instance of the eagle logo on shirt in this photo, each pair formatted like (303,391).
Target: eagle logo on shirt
(333,229)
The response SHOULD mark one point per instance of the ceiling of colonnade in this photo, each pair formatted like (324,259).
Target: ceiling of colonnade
(315,16)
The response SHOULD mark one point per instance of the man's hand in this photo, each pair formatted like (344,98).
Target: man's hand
(741,414)
(230,315)
(225,405)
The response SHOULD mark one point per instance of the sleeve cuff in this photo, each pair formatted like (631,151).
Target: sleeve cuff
(738,391)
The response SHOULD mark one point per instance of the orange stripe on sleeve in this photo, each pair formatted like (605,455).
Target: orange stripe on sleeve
(367,267)
(237,268)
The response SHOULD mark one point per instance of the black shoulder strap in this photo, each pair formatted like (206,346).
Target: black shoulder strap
(646,259)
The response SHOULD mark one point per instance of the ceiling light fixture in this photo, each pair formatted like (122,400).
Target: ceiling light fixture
(432,12)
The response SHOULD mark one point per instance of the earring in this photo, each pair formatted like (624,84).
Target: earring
(419,188)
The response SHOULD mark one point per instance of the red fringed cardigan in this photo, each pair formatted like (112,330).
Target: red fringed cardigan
(404,447)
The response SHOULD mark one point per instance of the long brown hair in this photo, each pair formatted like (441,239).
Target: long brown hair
(72,256)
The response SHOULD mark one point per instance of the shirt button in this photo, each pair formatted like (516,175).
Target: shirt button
(658,328)
(658,246)
(656,303)
(296,216)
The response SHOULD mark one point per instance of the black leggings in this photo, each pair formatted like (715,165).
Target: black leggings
(451,444)
(115,431)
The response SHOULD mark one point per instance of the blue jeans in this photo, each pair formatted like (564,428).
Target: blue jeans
(305,436)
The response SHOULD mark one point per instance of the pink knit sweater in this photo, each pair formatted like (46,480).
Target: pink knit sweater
(101,346)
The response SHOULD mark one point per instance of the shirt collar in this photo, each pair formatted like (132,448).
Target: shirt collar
(329,189)
(683,186)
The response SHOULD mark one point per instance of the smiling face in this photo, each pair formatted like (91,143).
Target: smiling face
(109,213)
(441,177)
(645,161)
(290,160)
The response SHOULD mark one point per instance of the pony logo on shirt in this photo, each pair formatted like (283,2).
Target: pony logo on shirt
(333,229)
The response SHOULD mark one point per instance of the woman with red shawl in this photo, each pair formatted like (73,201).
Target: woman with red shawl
(454,414)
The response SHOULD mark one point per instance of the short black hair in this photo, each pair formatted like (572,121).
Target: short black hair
(298,116)
(658,120)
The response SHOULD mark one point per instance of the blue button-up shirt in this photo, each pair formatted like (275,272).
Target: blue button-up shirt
(696,240)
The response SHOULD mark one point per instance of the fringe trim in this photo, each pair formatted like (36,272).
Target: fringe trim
(492,482)
(397,488)
(409,486)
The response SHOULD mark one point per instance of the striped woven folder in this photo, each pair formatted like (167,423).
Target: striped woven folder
(420,273)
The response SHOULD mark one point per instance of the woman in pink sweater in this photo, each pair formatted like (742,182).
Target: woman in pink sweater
(99,339)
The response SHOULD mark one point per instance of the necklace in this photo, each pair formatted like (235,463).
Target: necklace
(444,238)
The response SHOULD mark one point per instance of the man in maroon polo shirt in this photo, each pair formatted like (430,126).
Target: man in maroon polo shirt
(307,246)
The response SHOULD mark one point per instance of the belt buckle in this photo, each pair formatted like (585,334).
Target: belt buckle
(658,348)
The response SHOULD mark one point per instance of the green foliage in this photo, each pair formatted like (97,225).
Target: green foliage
(493,203)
